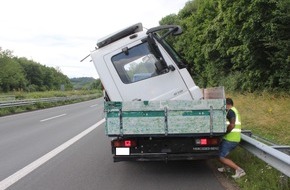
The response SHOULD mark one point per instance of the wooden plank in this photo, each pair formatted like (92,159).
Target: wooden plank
(214,93)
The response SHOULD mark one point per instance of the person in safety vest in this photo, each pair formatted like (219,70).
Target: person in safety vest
(231,140)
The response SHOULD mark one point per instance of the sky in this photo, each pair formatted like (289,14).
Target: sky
(59,33)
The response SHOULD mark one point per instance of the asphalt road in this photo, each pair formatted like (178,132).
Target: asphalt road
(87,163)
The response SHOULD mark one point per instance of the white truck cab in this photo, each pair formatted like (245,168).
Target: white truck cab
(134,64)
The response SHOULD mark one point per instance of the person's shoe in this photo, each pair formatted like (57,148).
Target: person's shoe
(239,173)
(224,169)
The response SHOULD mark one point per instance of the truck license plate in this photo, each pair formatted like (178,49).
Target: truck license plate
(122,151)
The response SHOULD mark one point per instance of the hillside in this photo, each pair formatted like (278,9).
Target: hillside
(82,82)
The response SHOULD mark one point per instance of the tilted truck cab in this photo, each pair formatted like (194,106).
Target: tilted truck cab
(153,108)
(134,65)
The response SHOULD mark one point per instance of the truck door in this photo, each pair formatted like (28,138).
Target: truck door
(137,73)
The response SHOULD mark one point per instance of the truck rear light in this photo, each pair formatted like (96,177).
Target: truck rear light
(207,141)
(203,141)
(214,141)
(124,143)
(128,143)
(117,143)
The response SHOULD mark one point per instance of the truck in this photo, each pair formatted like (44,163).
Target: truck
(154,111)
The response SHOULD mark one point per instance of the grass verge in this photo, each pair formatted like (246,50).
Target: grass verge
(41,105)
(266,115)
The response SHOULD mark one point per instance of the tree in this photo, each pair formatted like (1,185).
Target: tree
(255,37)
(243,45)
(23,74)
(11,75)
(96,85)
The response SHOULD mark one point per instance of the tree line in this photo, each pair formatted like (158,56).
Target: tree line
(86,83)
(243,45)
(21,74)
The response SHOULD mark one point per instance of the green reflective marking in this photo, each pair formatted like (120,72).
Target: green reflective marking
(113,105)
(113,114)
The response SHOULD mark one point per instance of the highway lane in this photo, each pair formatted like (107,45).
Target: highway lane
(28,136)
(87,164)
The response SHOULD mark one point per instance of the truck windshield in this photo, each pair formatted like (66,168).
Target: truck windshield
(135,64)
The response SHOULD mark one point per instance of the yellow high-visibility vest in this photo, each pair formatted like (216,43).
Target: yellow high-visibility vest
(235,134)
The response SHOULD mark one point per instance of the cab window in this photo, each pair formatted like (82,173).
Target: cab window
(135,64)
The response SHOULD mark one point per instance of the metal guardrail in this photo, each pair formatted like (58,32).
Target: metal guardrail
(274,155)
(14,103)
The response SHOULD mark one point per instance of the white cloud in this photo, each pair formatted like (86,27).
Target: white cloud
(59,33)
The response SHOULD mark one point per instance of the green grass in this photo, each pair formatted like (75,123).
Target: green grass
(259,174)
(266,115)
(48,94)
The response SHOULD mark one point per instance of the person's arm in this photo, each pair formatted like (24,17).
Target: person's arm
(231,116)
(231,125)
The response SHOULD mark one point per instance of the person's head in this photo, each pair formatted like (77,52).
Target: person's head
(229,103)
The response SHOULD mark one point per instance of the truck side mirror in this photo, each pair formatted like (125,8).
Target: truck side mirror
(177,31)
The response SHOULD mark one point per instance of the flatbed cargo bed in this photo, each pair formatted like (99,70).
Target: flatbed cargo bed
(166,118)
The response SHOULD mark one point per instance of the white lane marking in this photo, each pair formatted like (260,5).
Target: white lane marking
(53,117)
(93,105)
(7,182)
